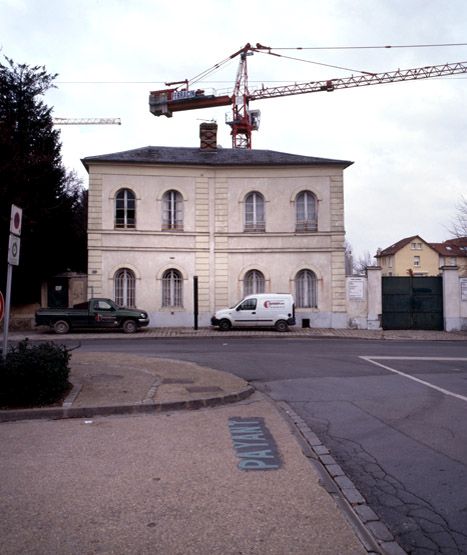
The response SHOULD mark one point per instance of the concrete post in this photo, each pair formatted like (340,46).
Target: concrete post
(375,297)
(451,298)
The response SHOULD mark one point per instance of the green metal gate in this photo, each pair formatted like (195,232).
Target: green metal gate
(412,303)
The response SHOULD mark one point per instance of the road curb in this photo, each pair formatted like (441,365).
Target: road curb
(373,534)
(58,413)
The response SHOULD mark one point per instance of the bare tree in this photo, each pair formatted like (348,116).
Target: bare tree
(459,223)
(363,262)
(348,259)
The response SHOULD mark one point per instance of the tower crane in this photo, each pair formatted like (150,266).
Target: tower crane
(244,121)
(87,121)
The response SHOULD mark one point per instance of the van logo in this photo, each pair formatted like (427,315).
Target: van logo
(272,304)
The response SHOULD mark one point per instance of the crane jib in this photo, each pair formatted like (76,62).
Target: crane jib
(360,80)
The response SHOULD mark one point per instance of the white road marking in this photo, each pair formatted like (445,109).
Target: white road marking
(374,360)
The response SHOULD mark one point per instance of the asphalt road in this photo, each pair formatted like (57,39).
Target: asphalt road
(393,414)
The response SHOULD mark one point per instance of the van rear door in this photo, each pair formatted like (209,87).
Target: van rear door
(245,313)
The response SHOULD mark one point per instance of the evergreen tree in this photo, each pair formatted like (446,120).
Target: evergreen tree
(33,177)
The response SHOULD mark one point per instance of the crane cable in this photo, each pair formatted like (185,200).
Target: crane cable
(371,47)
(315,63)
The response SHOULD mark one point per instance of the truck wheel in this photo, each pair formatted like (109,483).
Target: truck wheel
(281,325)
(225,325)
(129,326)
(61,327)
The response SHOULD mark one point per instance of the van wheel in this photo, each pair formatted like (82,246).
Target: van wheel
(281,325)
(129,326)
(61,327)
(225,325)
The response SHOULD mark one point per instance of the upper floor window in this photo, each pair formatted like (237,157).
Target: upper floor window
(416,246)
(172,288)
(172,211)
(416,261)
(306,212)
(253,283)
(125,209)
(124,287)
(254,212)
(305,289)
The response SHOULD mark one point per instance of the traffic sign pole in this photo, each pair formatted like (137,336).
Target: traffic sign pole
(6,319)
(13,260)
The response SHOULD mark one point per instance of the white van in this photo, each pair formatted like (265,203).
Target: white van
(263,310)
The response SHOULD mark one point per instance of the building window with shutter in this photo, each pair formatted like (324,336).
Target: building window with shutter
(306,212)
(254,212)
(253,283)
(125,209)
(305,289)
(172,289)
(172,211)
(124,287)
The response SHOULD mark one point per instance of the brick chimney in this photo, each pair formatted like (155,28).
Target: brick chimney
(208,136)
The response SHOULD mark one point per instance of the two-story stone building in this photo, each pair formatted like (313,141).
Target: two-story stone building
(242,221)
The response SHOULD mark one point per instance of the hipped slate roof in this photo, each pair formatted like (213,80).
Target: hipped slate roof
(179,156)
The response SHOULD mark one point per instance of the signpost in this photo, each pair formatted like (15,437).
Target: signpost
(2,306)
(13,260)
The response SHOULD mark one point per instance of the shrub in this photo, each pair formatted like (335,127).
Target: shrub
(34,375)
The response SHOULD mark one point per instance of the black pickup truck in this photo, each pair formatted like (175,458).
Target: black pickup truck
(94,314)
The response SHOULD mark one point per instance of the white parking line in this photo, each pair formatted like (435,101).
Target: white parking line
(374,360)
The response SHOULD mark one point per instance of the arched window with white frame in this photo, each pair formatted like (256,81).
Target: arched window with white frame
(306,289)
(254,212)
(124,287)
(172,288)
(253,283)
(306,212)
(172,211)
(125,209)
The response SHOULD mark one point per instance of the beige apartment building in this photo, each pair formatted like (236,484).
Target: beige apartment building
(414,256)
(240,221)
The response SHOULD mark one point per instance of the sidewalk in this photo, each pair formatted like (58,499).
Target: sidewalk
(45,334)
(216,505)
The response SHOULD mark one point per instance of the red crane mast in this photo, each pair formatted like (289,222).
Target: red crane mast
(244,120)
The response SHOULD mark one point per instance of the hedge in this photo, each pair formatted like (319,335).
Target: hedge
(34,375)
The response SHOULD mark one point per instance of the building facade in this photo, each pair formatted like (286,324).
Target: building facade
(414,256)
(241,221)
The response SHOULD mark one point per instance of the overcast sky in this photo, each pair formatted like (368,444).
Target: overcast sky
(407,140)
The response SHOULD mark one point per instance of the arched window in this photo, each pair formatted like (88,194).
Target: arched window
(305,289)
(124,286)
(172,211)
(172,288)
(254,212)
(306,212)
(125,209)
(253,283)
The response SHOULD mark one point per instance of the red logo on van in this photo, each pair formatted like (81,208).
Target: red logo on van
(270,304)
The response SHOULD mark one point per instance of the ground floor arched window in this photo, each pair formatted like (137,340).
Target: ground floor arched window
(124,287)
(306,289)
(172,288)
(253,283)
